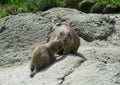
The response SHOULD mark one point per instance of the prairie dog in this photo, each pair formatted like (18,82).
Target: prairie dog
(44,54)
(68,36)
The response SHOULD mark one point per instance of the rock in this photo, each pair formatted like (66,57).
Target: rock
(110,8)
(18,33)
(94,73)
(93,26)
(88,27)
(85,6)
(97,8)
(97,61)
(53,76)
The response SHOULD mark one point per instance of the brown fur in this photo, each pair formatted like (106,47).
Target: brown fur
(43,55)
(68,36)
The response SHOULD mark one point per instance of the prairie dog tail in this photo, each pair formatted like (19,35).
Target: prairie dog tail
(33,73)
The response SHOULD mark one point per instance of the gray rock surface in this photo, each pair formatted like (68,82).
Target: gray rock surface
(18,33)
(98,62)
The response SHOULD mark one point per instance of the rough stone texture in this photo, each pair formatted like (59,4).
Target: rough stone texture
(18,33)
(94,26)
(98,62)
(94,73)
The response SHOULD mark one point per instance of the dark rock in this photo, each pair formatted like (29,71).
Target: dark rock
(97,8)
(85,6)
(110,8)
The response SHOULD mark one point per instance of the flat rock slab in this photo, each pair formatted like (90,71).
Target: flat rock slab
(95,73)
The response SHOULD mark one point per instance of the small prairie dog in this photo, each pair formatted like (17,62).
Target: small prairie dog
(68,36)
(43,55)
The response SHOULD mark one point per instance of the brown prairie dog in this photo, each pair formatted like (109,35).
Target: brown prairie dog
(43,55)
(68,36)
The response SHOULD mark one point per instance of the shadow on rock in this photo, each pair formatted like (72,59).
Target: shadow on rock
(53,62)
(77,54)
(81,56)
(62,57)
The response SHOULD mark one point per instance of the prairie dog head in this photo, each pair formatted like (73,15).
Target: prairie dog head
(66,37)
(55,45)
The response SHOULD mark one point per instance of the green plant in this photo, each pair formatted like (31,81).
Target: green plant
(61,3)
(19,4)
(3,13)
(41,5)
(10,1)
(12,7)
(4,1)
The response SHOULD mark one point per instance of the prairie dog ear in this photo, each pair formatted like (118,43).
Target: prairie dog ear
(62,33)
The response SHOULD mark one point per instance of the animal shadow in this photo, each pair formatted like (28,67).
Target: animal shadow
(53,62)
(62,57)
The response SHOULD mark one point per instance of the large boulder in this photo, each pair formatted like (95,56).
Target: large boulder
(85,6)
(96,63)
(88,26)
